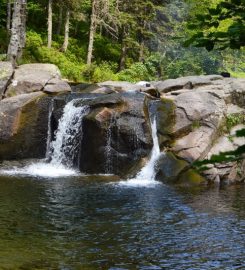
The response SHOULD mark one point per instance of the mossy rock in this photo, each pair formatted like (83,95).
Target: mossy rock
(191,178)
(169,167)
(164,111)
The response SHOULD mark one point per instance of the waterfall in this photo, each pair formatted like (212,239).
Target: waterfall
(148,171)
(146,176)
(67,140)
(63,150)
(49,137)
(108,149)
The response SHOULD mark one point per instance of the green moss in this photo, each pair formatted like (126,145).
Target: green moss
(166,120)
(195,125)
(191,178)
(170,167)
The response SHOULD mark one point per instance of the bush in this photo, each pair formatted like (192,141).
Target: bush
(138,72)
(33,40)
(98,73)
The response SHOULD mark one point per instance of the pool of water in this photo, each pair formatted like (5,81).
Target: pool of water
(84,223)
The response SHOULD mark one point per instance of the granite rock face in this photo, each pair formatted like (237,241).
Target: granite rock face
(31,78)
(201,112)
(196,117)
(23,126)
(116,132)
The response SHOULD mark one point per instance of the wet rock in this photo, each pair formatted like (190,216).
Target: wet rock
(103,90)
(23,126)
(169,168)
(191,178)
(117,134)
(92,88)
(97,101)
(78,88)
(164,112)
(151,91)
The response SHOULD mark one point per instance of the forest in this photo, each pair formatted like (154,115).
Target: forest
(99,40)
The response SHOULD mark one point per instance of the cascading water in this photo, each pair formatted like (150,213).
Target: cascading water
(147,174)
(68,135)
(63,149)
(51,108)
(108,161)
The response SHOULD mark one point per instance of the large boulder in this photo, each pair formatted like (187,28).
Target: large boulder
(189,82)
(37,77)
(6,73)
(201,106)
(23,126)
(116,133)
(121,86)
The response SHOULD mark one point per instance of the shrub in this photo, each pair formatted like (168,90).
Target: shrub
(98,73)
(33,40)
(138,72)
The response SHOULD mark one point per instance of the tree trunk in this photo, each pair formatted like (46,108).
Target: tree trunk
(123,56)
(60,20)
(92,33)
(50,23)
(8,25)
(18,32)
(67,28)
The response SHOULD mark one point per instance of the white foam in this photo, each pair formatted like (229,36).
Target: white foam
(41,169)
(146,177)
(66,142)
(135,182)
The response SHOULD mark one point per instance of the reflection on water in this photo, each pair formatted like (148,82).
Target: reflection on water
(76,223)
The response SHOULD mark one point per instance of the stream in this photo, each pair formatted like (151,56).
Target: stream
(90,222)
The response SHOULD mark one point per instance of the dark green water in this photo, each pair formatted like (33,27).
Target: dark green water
(72,223)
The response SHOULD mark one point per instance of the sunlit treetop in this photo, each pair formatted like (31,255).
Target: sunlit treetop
(222,26)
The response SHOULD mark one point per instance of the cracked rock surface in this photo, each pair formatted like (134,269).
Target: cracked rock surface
(202,105)
(31,78)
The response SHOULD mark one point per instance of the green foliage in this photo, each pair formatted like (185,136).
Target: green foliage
(234,120)
(146,28)
(178,61)
(223,157)
(106,50)
(4,39)
(68,68)
(223,25)
(98,73)
(35,51)
(33,40)
(228,156)
(138,72)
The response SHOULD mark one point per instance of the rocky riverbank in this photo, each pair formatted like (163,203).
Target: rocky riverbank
(196,117)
